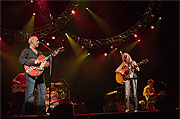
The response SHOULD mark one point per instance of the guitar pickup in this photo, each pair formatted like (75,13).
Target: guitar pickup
(29,70)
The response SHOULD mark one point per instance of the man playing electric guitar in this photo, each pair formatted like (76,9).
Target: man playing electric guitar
(29,57)
(127,71)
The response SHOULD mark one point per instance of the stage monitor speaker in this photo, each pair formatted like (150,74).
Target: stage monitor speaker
(62,111)
(67,109)
(79,109)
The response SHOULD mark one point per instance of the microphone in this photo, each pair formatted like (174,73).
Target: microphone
(40,42)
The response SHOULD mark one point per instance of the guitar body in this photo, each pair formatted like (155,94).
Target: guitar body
(120,78)
(41,57)
(37,70)
(16,87)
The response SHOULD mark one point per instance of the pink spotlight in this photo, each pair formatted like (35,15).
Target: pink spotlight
(152,15)
(111,47)
(82,47)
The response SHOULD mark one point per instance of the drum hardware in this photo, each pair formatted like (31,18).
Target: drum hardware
(60,93)
(59,83)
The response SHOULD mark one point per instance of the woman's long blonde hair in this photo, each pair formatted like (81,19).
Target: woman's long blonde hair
(126,56)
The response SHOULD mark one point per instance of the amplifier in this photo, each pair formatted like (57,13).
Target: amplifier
(115,101)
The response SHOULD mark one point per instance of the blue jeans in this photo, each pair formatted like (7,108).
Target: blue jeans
(134,91)
(33,83)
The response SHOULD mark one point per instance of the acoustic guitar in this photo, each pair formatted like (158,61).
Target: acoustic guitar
(122,78)
(38,70)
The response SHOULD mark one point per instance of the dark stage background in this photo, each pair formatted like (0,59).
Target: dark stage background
(91,79)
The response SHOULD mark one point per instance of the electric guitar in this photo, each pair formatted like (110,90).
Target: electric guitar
(18,87)
(38,70)
(122,78)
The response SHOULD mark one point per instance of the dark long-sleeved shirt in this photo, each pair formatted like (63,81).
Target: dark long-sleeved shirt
(26,56)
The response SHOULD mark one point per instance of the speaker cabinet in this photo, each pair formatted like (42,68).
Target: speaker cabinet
(79,109)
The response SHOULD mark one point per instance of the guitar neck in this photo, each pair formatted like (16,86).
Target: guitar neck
(142,62)
(46,58)
(52,54)
(138,64)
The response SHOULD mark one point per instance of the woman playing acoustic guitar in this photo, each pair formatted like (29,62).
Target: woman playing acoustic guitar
(125,74)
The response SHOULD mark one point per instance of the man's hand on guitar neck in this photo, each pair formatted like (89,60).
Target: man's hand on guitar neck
(55,53)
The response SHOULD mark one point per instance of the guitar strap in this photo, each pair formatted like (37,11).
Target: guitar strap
(125,65)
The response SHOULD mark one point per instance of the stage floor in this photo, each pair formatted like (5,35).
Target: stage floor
(173,114)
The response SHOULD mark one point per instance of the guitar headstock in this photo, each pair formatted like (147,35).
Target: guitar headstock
(60,49)
(144,61)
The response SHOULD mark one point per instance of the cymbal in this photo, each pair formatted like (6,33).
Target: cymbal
(58,83)
(60,90)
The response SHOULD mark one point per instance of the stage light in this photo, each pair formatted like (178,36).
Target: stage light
(152,27)
(111,47)
(73,12)
(53,37)
(82,47)
(139,40)
(159,18)
(89,53)
(120,52)
(34,14)
(152,15)
(0,38)
(31,0)
(105,54)
(115,48)
(87,8)
(47,44)
(66,34)
(135,35)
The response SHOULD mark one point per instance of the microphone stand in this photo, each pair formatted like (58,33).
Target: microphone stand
(50,74)
(69,96)
(68,89)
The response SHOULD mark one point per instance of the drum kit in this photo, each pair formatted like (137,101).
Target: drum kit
(58,91)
